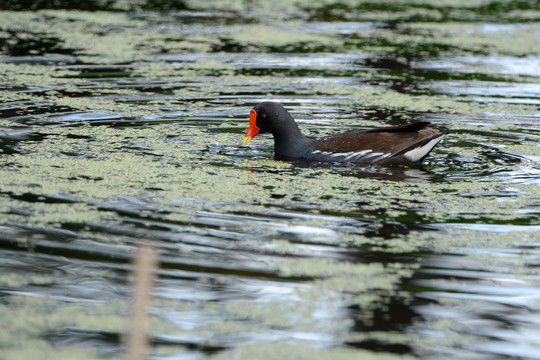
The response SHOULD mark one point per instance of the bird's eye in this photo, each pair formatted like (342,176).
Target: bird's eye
(263,116)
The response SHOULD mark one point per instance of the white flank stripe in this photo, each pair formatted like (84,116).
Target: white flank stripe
(352,154)
(360,154)
(342,154)
(419,152)
(383,156)
(374,154)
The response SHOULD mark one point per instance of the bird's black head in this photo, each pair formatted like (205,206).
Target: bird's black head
(269,117)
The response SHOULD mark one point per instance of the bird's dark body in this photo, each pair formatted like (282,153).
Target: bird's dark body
(407,144)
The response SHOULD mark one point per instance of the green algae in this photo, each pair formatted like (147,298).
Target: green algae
(76,175)
(464,237)
(295,350)
(179,169)
(115,169)
(27,318)
(77,32)
(123,38)
(481,39)
(290,37)
(40,348)
(14,280)
(388,98)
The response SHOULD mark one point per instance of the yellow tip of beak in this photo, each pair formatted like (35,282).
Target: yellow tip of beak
(246,140)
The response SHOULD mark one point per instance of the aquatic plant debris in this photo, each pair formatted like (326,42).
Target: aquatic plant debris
(124,124)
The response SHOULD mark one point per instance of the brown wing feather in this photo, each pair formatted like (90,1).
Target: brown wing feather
(414,127)
(386,140)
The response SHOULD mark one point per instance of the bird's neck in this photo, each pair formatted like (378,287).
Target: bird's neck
(289,142)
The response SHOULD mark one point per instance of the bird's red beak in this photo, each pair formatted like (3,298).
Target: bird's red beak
(252,130)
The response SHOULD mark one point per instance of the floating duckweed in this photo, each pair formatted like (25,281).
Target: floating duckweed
(122,126)
(13,280)
(28,317)
(298,350)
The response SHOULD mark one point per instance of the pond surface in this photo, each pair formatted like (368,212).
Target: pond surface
(124,126)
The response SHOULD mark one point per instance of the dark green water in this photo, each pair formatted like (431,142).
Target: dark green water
(123,124)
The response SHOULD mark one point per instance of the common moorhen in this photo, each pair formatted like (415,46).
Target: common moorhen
(407,144)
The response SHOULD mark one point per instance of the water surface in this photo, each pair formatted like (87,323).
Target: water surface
(124,126)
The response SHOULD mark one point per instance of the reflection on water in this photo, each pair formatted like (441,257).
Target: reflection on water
(119,128)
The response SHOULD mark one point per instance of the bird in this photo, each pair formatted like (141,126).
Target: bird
(396,145)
